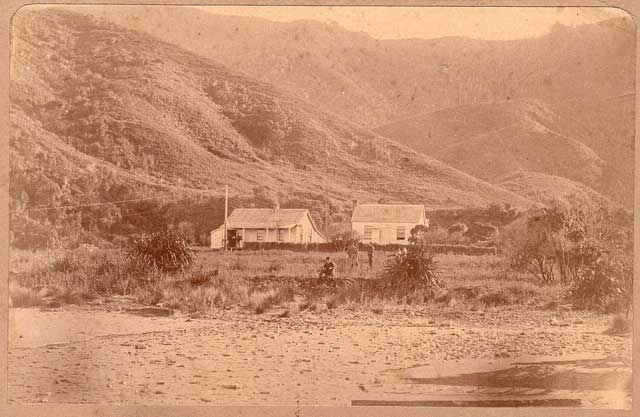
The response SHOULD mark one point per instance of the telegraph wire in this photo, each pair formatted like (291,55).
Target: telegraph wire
(104,203)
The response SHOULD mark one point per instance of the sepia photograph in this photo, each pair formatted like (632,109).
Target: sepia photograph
(347,206)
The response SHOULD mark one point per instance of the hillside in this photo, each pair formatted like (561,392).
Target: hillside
(377,81)
(549,189)
(151,117)
(576,83)
(495,139)
(586,141)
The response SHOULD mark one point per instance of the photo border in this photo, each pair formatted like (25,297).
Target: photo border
(9,7)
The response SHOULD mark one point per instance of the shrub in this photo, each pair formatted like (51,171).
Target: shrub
(236,265)
(619,325)
(275,266)
(67,295)
(591,250)
(495,299)
(202,276)
(415,270)
(114,272)
(29,234)
(333,302)
(23,297)
(149,296)
(605,285)
(169,251)
(67,263)
(306,305)
(261,301)
(417,234)
(527,245)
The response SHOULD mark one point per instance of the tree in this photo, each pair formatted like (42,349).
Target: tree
(529,243)
(591,248)
(417,234)
(595,251)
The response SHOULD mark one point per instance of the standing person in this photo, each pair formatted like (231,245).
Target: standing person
(352,252)
(370,251)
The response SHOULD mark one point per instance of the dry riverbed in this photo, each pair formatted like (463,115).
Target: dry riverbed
(113,353)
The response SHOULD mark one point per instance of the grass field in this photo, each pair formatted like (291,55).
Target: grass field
(259,327)
(259,281)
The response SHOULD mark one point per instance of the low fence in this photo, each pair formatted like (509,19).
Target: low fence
(332,247)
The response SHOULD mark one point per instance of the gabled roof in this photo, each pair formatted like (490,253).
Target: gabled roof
(388,213)
(259,218)
(263,218)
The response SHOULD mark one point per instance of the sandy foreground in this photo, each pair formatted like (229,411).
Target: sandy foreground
(106,354)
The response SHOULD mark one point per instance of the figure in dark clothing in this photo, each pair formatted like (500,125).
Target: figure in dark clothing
(370,251)
(328,269)
(352,253)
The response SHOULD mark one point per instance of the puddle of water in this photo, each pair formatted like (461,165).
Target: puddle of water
(548,402)
(529,381)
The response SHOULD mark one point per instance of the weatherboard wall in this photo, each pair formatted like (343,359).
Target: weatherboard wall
(383,233)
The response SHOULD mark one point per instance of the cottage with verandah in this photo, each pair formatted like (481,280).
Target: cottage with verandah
(267,225)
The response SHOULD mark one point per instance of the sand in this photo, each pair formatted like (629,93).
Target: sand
(98,354)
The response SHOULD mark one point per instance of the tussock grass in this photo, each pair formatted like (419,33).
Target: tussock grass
(259,281)
(261,301)
(66,295)
(333,302)
(620,324)
(307,305)
(68,263)
(23,297)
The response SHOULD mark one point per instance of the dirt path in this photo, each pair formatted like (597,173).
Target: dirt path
(331,357)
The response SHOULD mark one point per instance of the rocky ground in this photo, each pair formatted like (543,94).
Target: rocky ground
(114,353)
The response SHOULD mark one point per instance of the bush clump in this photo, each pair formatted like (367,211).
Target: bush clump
(168,251)
(619,325)
(412,270)
(23,297)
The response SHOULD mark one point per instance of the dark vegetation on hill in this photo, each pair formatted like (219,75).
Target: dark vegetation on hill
(560,104)
(100,114)
(375,81)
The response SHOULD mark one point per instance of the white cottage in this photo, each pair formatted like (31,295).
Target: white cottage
(387,223)
(267,225)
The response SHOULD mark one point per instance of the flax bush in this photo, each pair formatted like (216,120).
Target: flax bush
(168,251)
(414,271)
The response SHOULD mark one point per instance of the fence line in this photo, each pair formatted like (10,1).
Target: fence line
(469,250)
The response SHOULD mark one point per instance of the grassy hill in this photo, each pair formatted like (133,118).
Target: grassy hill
(117,114)
(560,104)
(378,81)
(549,189)
(585,141)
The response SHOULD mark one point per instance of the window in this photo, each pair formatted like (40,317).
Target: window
(367,232)
(260,234)
(281,235)
(401,235)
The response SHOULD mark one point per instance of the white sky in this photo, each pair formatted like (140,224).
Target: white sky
(433,22)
